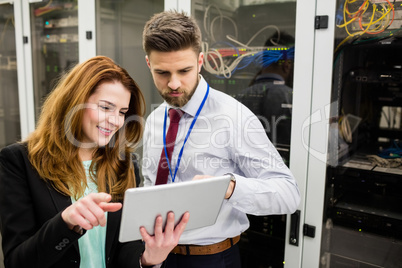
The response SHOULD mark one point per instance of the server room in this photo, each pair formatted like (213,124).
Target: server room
(286,130)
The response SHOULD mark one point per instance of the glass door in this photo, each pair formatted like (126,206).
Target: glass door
(249,50)
(362,219)
(119,36)
(54,33)
(10,130)
(119,26)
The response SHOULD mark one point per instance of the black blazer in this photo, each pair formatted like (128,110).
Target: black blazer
(33,232)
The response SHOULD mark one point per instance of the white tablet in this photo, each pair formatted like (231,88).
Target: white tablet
(201,198)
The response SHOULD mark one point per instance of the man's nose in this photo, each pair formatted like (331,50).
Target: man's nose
(174,82)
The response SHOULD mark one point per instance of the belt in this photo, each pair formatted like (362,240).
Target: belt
(207,249)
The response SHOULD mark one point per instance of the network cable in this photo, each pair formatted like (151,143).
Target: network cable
(377,22)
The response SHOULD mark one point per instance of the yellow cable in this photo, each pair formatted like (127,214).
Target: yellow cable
(381,18)
(382,23)
(365,3)
(373,25)
(371,20)
(343,41)
(362,9)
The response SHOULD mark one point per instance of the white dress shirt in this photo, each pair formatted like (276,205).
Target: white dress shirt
(226,138)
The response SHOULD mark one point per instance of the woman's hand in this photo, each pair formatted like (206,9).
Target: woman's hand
(89,211)
(158,246)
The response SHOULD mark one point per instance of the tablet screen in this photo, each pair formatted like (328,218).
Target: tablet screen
(201,198)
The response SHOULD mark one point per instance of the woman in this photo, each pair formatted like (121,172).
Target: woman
(56,187)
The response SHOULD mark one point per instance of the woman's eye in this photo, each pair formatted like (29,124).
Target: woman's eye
(104,107)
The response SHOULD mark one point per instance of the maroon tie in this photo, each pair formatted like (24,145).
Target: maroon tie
(163,168)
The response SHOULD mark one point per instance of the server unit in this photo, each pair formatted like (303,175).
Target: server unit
(363,215)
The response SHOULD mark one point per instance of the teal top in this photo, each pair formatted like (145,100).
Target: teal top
(92,243)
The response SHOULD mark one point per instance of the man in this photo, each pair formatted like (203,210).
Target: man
(216,135)
(270,93)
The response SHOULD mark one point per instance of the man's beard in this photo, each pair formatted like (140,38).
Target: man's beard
(177,101)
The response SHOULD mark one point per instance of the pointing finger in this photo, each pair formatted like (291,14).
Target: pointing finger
(100,197)
(110,207)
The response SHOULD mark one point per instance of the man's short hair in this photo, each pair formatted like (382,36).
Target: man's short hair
(171,31)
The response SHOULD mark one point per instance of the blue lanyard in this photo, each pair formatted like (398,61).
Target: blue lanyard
(185,140)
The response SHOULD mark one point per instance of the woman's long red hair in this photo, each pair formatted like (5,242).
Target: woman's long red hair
(53,147)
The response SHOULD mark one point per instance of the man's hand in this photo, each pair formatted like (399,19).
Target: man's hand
(158,246)
(229,191)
